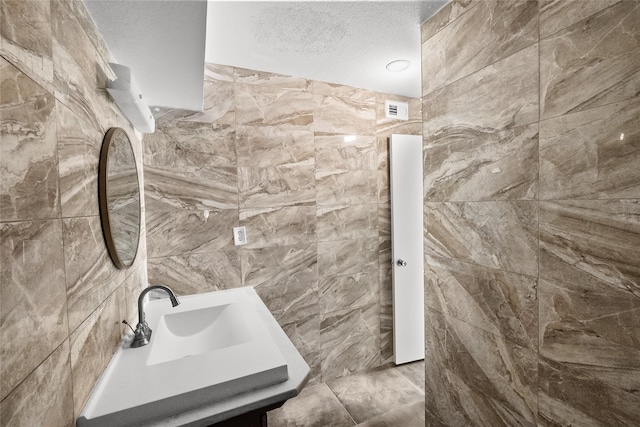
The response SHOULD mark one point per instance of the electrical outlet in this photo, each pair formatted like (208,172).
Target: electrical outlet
(239,236)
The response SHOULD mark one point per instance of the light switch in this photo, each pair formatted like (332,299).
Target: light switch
(239,236)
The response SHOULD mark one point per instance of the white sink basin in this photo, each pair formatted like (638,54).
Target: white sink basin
(210,347)
(194,332)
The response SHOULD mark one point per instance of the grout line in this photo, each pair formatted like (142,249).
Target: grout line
(421,391)
(405,377)
(538,190)
(341,405)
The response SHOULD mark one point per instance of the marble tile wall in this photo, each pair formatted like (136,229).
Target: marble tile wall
(303,166)
(532,230)
(61,297)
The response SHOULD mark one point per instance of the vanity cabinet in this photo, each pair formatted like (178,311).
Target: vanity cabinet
(255,418)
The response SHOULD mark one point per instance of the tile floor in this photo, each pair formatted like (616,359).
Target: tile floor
(389,396)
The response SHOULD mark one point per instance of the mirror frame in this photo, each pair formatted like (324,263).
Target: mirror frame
(105,213)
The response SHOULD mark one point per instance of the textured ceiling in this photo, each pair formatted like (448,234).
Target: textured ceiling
(165,42)
(339,42)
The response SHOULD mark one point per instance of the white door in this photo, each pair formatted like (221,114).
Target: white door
(405,157)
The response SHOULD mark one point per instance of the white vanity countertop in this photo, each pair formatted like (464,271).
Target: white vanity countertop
(208,414)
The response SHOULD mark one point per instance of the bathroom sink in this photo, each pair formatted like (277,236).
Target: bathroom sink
(199,331)
(207,349)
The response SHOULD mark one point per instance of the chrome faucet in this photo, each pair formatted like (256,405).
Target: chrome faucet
(142,334)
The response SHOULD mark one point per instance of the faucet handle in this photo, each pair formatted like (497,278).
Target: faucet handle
(142,335)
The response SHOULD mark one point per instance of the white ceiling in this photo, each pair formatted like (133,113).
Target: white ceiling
(350,43)
(163,43)
(339,42)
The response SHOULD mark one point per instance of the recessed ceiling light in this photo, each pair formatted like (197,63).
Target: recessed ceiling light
(399,65)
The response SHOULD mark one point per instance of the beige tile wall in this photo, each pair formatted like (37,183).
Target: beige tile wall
(303,165)
(532,207)
(61,297)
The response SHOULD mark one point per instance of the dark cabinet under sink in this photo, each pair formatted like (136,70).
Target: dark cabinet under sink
(255,418)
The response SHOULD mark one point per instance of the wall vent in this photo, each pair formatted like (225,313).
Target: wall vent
(396,110)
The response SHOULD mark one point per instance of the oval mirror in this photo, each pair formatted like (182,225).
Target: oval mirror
(119,196)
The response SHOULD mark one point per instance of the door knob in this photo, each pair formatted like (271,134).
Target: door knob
(402,263)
